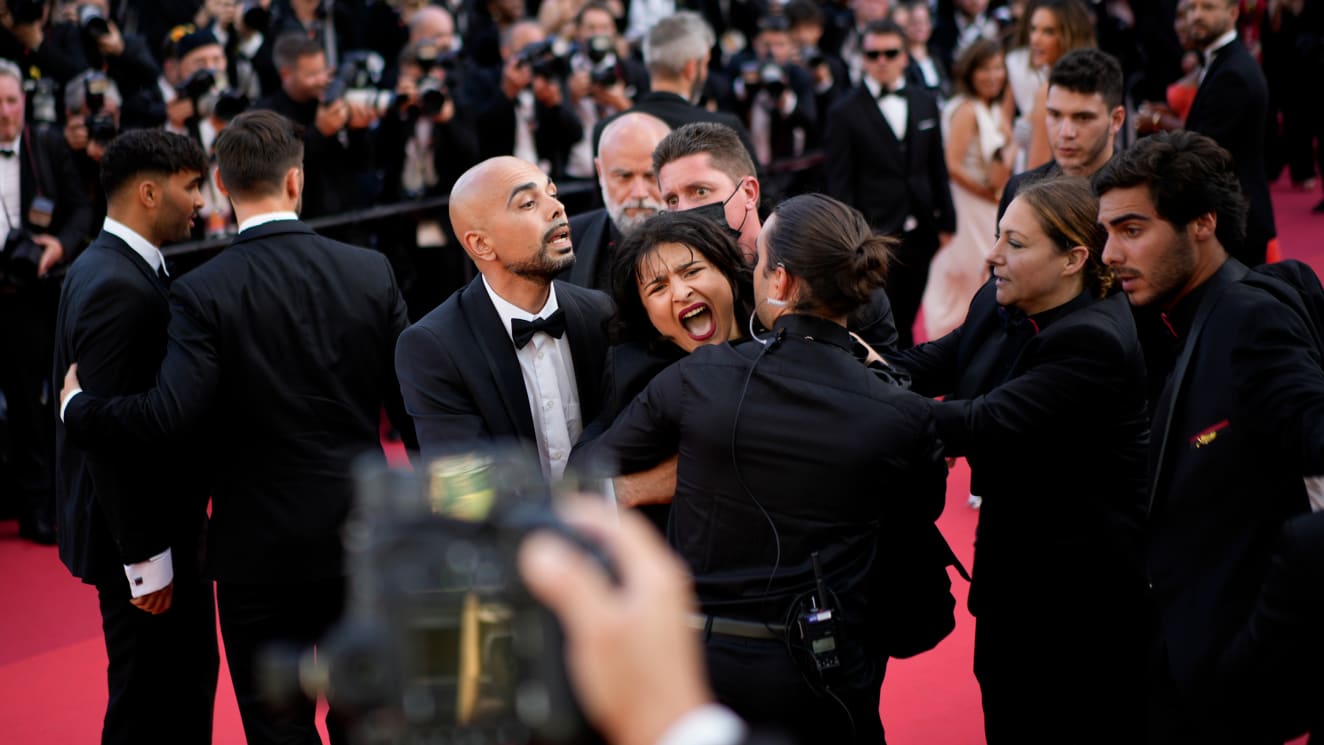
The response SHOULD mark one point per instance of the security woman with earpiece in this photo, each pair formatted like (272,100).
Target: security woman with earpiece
(794,458)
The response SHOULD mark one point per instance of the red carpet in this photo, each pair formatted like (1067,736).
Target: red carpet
(52,661)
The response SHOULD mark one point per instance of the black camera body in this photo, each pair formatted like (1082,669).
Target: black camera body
(441,642)
(93,21)
(197,85)
(772,78)
(357,83)
(547,59)
(255,17)
(19,257)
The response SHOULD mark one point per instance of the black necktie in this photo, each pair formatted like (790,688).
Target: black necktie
(523,331)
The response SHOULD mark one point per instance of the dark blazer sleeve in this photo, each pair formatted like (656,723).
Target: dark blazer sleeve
(944,210)
(1274,660)
(933,365)
(647,432)
(185,386)
(1069,377)
(875,323)
(393,400)
(446,416)
(111,312)
(75,225)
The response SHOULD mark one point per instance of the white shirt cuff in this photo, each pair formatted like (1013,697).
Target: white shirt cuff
(147,577)
(1315,490)
(707,725)
(65,403)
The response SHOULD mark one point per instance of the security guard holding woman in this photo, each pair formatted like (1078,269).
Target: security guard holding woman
(794,458)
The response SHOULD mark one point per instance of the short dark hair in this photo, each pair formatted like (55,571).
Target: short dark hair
(590,6)
(1188,175)
(887,26)
(829,247)
(718,141)
(698,233)
(255,150)
(140,152)
(1089,71)
(293,46)
(803,13)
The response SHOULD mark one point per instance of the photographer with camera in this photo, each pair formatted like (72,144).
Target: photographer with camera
(423,145)
(604,79)
(336,133)
(532,117)
(23,37)
(91,120)
(240,28)
(85,33)
(44,216)
(773,95)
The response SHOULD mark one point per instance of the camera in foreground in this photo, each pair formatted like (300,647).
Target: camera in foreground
(440,641)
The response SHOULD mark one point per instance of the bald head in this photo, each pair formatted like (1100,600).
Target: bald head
(625,168)
(519,36)
(432,24)
(506,215)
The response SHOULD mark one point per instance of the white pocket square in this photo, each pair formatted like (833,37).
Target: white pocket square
(926,124)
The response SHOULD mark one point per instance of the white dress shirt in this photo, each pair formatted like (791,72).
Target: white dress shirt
(264,218)
(11,187)
(708,725)
(549,380)
(526,120)
(896,109)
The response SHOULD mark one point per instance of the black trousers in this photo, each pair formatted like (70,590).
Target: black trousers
(27,334)
(906,276)
(162,669)
(256,620)
(759,681)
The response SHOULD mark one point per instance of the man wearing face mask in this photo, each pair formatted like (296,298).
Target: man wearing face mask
(629,191)
(705,167)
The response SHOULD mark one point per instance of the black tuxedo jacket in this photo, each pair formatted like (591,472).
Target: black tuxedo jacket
(47,168)
(1246,425)
(461,379)
(1231,107)
(281,348)
(118,509)
(594,237)
(886,179)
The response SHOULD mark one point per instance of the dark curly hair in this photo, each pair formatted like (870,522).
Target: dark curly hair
(1188,175)
(700,234)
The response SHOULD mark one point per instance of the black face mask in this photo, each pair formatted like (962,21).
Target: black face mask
(717,213)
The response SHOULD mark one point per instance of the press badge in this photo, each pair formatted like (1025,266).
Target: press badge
(41,212)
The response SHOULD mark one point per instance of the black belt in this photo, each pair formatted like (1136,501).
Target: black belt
(736,627)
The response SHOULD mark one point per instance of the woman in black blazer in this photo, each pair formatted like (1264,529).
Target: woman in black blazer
(794,459)
(1045,397)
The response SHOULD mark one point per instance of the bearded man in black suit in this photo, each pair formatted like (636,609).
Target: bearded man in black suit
(132,525)
(885,158)
(515,357)
(281,348)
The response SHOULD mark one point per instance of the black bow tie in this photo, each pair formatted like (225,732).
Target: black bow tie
(6,153)
(886,92)
(523,331)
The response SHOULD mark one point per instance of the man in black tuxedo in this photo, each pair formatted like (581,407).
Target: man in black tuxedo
(677,52)
(629,191)
(1231,107)
(45,212)
(515,357)
(885,158)
(1084,113)
(139,513)
(1237,395)
(281,348)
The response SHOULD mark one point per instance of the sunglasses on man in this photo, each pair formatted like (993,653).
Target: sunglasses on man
(874,54)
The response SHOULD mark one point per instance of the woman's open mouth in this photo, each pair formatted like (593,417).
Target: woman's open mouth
(698,321)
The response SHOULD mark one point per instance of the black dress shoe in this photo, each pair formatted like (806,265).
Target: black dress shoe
(37,529)
(1318,209)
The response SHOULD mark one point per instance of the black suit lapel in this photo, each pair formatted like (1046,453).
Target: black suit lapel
(114,243)
(1221,58)
(27,177)
(888,143)
(493,341)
